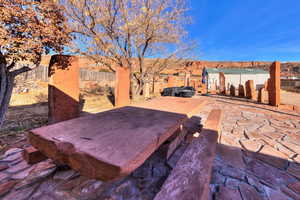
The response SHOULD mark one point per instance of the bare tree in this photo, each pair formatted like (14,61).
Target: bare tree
(128,32)
(28,29)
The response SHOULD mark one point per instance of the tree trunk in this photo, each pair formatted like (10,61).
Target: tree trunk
(6,88)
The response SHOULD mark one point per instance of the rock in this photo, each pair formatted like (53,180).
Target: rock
(12,157)
(3,176)
(274,177)
(266,129)
(22,174)
(71,184)
(217,178)
(251,145)
(226,193)
(40,171)
(32,155)
(285,150)
(275,194)
(23,194)
(294,169)
(176,156)
(291,146)
(253,134)
(293,138)
(89,189)
(290,193)
(65,175)
(12,151)
(273,157)
(297,159)
(6,187)
(159,170)
(232,183)
(252,180)
(231,156)
(3,167)
(248,192)
(233,173)
(273,135)
(268,140)
(18,167)
(295,187)
(63,195)
(126,190)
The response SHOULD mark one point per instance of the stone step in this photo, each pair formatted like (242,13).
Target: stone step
(190,178)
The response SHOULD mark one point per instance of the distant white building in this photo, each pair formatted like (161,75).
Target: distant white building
(236,76)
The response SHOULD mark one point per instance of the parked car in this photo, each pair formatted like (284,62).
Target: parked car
(179,91)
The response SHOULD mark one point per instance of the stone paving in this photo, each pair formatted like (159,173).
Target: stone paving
(258,155)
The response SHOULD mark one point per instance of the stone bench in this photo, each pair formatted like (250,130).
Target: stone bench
(190,178)
(110,145)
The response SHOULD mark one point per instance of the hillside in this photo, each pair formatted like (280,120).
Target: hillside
(287,68)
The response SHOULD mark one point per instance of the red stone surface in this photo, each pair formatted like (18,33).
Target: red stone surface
(274,84)
(6,187)
(191,177)
(98,146)
(122,87)
(295,187)
(232,90)
(241,91)
(222,83)
(63,91)
(32,155)
(250,90)
(262,95)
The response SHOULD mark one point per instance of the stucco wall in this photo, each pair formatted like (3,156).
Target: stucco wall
(236,79)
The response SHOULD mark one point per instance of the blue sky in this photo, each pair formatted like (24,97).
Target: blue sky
(246,30)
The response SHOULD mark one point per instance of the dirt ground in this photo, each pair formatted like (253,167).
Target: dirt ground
(290,98)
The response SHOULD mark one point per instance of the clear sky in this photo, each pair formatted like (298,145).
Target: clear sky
(246,30)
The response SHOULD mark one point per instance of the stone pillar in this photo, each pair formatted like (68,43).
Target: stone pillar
(262,95)
(274,84)
(63,88)
(241,91)
(203,89)
(250,90)
(222,83)
(213,89)
(122,87)
(171,81)
(232,90)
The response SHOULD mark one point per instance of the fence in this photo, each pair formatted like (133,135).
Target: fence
(41,74)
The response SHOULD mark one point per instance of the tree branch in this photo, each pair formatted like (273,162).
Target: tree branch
(19,71)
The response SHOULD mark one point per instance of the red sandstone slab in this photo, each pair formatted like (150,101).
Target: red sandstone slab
(191,176)
(186,106)
(111,144)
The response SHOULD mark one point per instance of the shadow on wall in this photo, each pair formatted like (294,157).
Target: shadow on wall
(62,62)
(62,106)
